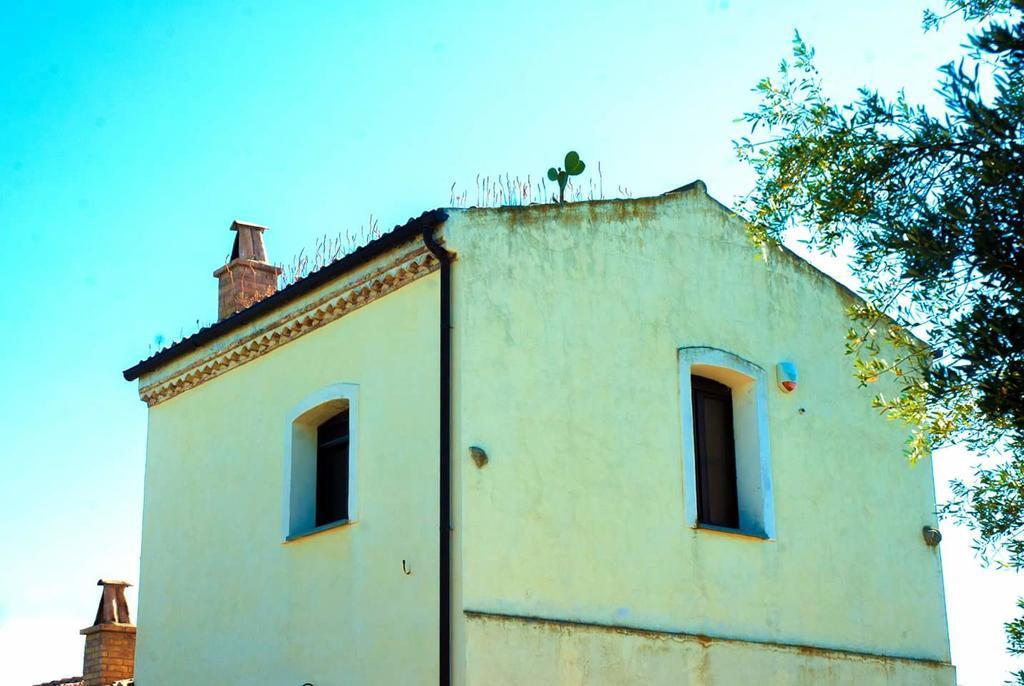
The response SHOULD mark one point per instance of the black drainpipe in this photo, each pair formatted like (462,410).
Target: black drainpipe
(445,575)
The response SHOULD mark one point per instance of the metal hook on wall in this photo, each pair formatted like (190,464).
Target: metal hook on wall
(406,568)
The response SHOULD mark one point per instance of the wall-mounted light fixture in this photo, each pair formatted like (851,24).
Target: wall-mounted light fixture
(932,536)
(479,455)
(786,375)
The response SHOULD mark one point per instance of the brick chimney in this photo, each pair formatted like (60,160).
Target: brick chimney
(248,277)
(110,641)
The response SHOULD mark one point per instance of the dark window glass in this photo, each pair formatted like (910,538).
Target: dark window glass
(716,453)
(332,470)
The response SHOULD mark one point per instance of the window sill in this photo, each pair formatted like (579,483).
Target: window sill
(738,533)
(318,530)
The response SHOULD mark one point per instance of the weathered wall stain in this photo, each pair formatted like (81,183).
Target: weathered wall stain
(602,654)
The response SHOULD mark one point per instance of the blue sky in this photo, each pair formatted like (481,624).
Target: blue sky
(132,133)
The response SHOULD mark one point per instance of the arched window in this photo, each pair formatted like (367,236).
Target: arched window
(321,459)
(726,465)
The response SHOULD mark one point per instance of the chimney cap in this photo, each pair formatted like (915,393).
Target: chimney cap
(113,607)
(248,243)
(238,223)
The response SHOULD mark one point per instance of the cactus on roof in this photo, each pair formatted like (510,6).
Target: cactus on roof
(574,166)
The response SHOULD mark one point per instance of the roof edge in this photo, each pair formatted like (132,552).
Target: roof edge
(393,238)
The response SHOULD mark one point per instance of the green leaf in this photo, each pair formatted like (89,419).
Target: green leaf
(573,165)
(552,174)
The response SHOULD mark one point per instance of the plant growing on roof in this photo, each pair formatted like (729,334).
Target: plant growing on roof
(574,166)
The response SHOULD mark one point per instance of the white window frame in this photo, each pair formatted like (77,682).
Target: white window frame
(749,385)
(298,518)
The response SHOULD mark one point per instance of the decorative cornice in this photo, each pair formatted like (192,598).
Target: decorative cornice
(308,317)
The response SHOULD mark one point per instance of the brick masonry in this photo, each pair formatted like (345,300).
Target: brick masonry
(109,654)
(243,283)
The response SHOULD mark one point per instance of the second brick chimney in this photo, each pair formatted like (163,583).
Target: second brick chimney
(247,278)
(110,641)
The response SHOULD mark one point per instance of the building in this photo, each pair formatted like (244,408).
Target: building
(109,658)
(542,444)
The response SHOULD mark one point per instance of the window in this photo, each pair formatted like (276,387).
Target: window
(332,470)
(715,453)
(321,461)
(726,457)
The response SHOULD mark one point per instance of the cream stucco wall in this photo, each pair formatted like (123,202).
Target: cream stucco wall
(572,554)
(567,324)
(223,600)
